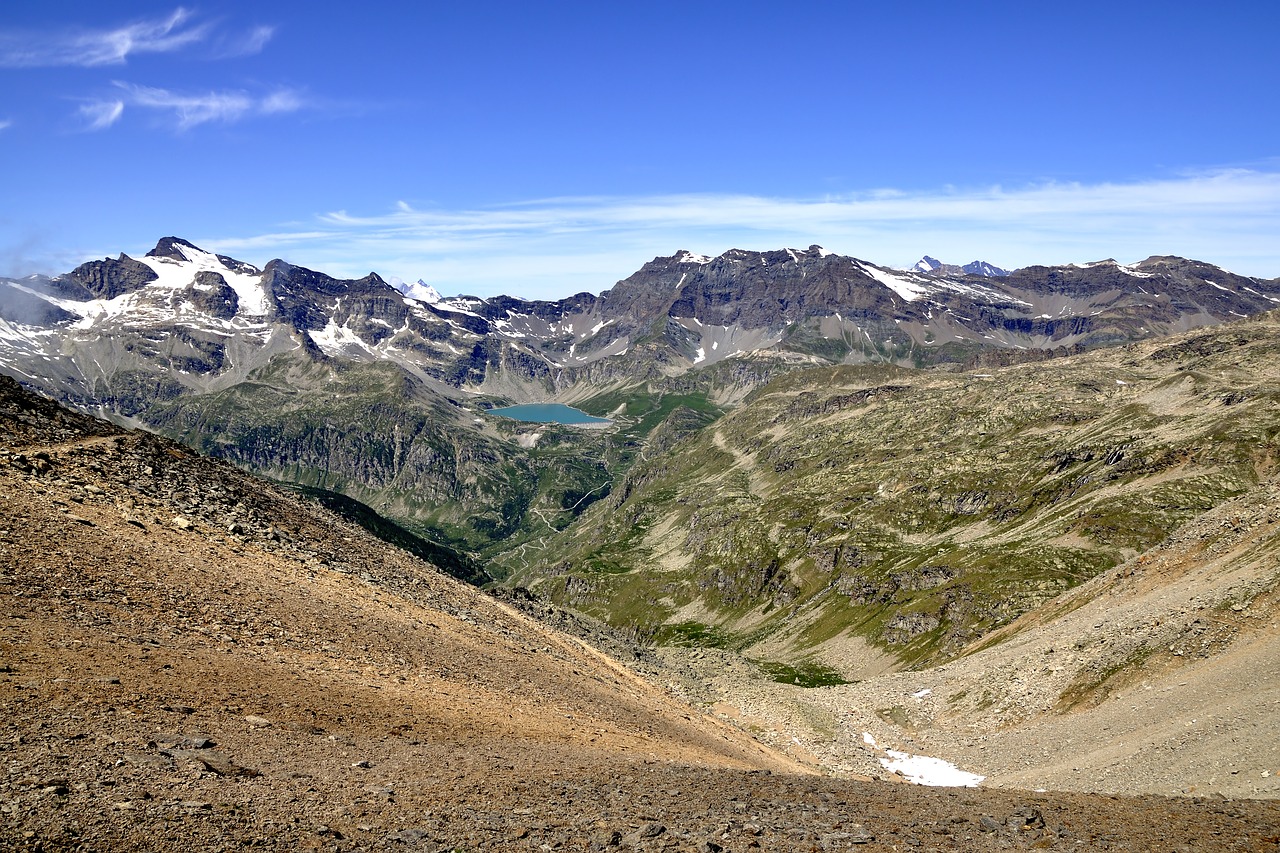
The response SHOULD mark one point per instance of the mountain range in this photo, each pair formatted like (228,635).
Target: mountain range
(378,390)
(676,313)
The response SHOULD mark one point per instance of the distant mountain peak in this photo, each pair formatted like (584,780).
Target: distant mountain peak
(984,269)
(419,290)
(932,266)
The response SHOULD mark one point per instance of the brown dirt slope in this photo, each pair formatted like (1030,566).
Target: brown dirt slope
(192,659)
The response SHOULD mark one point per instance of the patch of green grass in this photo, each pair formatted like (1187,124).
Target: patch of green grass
(803,674)
(692,635)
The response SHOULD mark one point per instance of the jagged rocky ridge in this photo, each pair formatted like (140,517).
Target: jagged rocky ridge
(673,314)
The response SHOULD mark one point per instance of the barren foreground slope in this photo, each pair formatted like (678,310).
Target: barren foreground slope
(191,659)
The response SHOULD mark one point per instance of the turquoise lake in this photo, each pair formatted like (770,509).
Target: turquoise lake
(548,413)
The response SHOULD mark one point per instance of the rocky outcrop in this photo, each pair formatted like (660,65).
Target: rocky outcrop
(307,299)
(107,279)
(210,293)
(171,248)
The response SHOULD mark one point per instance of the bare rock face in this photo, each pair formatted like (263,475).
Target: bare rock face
(210,293)
(171,248)
(107,279)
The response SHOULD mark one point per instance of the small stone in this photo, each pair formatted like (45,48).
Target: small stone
(988,824)
(214,762)
(859,835)
(170,741)
(181,523)
(363,765)
(413,835)
(259,722)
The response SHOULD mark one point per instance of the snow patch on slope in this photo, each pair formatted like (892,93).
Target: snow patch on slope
(174,274)
(922,769)
(337,340)
(909,289)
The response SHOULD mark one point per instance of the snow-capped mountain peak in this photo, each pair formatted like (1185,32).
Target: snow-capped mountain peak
(933,266)
(419,290)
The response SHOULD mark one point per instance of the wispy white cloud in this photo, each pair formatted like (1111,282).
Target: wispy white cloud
(281,101)
(5,123)
(552,247)
(189,110)
(90,48)
(100,115)
(244,44)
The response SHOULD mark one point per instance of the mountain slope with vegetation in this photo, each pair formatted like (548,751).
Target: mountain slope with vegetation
(914,512)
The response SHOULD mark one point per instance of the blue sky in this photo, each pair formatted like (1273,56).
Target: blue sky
(540,149)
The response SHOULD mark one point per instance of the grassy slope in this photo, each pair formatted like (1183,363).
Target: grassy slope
(919,509)
(376,435)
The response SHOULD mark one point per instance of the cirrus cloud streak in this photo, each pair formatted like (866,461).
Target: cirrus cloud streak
(189,110)
(89,48)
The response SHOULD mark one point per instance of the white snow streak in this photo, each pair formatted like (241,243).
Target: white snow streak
(908,289)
